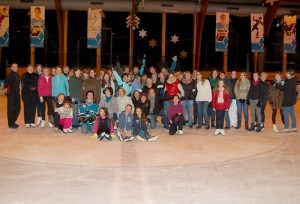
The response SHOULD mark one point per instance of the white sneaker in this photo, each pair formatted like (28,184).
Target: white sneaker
(65,130)
(69,130)
(180,132)
(153,138)
(32,125)
(275,129)
(27,125)
(39,120)
(50,125)
(43,123)
(217,131)
(141,139)
(222,132)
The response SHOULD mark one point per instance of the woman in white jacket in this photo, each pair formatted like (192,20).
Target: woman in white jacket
(122,101)
(204,96)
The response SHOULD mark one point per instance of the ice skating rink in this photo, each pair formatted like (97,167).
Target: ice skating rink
(40,166)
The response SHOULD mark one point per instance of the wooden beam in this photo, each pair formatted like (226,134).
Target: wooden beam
(131,37)
(284,62)
(65,16)
(255,61)
(163,37)
(225,61)
(60,23)
(270,15)
(194,39)
(32,56)
(200,26)
(98,59)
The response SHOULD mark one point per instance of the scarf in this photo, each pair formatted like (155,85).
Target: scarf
(152,101)
(107,98)
(255,82)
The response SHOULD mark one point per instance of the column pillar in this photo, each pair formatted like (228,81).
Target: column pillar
(163,37)
(284,62)
(255,61)
(195,40)
(65,18)
(98,59)
(32,56)
(225,61)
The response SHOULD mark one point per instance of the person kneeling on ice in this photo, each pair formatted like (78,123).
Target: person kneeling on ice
(66,116)
(103,126)
(175,116)
(125,124)
(140,127)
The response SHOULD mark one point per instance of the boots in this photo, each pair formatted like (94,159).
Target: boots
(238,125)
(258,128)
(246,126)
(252,128)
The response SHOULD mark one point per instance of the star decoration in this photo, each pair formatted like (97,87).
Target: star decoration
(143,33)
(152,43)
(183,54)
(175,39)
(288,20)
(271,2)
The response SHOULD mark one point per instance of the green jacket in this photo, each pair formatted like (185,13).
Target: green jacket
(75,86)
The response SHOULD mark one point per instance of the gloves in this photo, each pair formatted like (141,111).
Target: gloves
(258,104)
(248,102)
(115,116)
(242,100)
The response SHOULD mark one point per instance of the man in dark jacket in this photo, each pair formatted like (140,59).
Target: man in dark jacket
(230,83)
(289,100)
(156,108)
(12,90)
(264,98)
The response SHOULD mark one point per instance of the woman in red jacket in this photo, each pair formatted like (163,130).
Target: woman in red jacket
(220,102)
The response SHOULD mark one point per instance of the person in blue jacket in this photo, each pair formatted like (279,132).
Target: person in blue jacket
(60,84)
(125,124)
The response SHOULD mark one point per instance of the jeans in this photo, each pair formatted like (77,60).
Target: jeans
(195,112)
(76,111)
(211,114)
(167,104)
(188,107)
(220,114)
(262,111)
(179,122)
(38,107)
(87,128)
(153,119)
(286,112)
(240,108)
(227,118)
(202,111)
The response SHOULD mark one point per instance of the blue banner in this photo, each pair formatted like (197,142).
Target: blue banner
(289,34)
(94,28)
(257,32)
(4,26)
(37,32)
(222,31)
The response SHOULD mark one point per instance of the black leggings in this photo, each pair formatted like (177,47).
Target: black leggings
(274,113)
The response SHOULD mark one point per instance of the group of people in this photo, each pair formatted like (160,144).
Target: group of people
(124,102)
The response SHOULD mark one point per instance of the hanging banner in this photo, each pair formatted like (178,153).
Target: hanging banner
(289,34)
(222,31)
(37,31)
(4,26)
(257,32)
(94,28)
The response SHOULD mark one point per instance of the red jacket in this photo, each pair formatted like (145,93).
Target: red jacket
(44,86)
(220,106)
(172,89)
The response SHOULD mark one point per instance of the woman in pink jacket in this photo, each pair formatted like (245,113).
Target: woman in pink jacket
(45,94)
